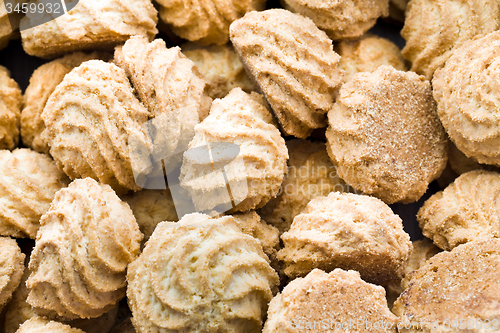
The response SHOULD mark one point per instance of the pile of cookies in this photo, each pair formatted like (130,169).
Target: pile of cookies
(240,181)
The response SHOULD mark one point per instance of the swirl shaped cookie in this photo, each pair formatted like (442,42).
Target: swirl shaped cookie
(249,179)
(43,82)
(43,325)
(11,101)
(200,275)
(91,119)
(205,21)
(28,183)
(90,25)
(348,231)
(340,19)
(385,135)
(11,268)
(434,29)
(83,247)
(293,64)
(466,91)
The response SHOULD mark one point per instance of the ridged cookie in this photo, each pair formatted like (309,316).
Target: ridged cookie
(83,247)
(43,325)
(28,183)
(254,176)
(11,268)
(348,231)
(11,101)
(293,64)
(385,135)
(200,275)
(466,91)
(91,24)
(434,29)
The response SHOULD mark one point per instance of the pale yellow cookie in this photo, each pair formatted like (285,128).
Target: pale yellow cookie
(348,231)
(294,65)
(385,135)
(221,67)
(434,29)
(83,247)
(28,183)
(91,24)
(11,268)
(200,275)
(11,101)
(205,21)
(310,174)
(247,180)
(43,325)
(341,19)
(336,302)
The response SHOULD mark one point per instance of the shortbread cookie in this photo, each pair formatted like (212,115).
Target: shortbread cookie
(90,25)
(466,94)
(323,302)
(83,247)
(205,21)
(342,18)
(251,177)
(434,29)
(460,163)
(367,54)
(310,174)
(11,268)
(348,231)
(466,210)
(95,126)
(221,67)
(43,82)
(200,275)
(453,288)
(43,325)
(28,183)
(10,109)
(385,135)
(294,65)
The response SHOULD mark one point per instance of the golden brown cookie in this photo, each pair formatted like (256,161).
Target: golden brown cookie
(43,325)
(294,65)
(247,180)
(465,211)
(11,268)
(28,183)
(366,54)
(11,101)
(83,247)
(385,135)
(348,231)
(43,82)
(221,67)
(434,29)
(466,94)
(452,290)
(336,302)
(340,19)
(90,25)
(200,275)
(205,21)
(310,174)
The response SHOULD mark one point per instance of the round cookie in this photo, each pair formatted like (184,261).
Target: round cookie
(434,29)
(83,247)
(90,25)
(11,101)
(293,64)
(465,211)
(11,268)
(453,288)
(340,19)
(232,183)
(310,174)
(28,183)
(200,275)
(43,325)
(385,136)
(465,90)
(347,231)
(336,302)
